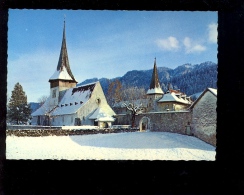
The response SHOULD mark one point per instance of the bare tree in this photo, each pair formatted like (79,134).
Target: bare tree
(42,99)
(48,110)
(134,101)
(114,92)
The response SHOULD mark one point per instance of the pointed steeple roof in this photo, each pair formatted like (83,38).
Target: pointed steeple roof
(63,70)
(154,85)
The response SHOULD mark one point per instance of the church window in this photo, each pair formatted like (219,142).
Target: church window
(54,93)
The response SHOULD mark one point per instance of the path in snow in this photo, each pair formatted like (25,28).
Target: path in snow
(115,146)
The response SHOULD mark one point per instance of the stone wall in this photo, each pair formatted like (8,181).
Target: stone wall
(204,118)
(174,122)
(61,132)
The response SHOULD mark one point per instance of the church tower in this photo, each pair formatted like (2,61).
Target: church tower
(154,92)
(62,79)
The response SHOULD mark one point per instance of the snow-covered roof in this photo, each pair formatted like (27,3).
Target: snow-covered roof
(103,114)
(212,90)
(45,108)
(61,74)
(172,97)
(73,99)
(156,90)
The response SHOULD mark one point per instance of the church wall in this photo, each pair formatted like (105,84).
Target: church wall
(174,122)
(204,117)
(63,120)
(96,100)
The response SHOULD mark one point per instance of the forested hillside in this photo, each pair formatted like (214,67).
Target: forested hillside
(188,78)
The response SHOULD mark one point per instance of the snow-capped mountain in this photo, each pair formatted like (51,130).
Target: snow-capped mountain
(188,78)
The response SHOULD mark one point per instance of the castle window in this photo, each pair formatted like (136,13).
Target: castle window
(54,93)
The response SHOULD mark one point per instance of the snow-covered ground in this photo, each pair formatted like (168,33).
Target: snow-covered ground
(114,146)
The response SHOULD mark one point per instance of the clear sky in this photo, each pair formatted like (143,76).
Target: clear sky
(104,43)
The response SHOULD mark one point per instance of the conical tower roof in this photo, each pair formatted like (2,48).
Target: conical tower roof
(63,71)
(154,85)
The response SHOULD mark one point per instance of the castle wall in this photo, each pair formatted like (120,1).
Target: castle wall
(204,118)
(174,122)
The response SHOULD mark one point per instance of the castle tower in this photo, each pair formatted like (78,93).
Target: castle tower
(154,92)
(62,78)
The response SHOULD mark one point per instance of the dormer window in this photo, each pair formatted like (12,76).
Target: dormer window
(81,102)
(62,105)
(70,104)
(66,104)
(76,103)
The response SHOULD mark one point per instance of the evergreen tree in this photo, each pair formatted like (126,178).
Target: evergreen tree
(18,109)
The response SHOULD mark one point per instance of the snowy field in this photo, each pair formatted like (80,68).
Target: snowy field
(114,146)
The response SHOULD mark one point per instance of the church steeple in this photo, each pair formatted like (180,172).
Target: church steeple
(63,71)
(62,79)
(154,85)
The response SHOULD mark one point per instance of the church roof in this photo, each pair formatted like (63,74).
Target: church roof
(73,99)
(154,85)
(63,70)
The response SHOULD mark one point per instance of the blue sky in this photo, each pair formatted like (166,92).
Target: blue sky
(104,43)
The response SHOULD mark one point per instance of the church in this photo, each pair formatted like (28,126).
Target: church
(69,104)
(156,100)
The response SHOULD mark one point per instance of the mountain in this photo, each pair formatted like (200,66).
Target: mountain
(34,106)
(189,78)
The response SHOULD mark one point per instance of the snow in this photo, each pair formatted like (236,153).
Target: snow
(103,114)
(61,74)
(83,127)
(157,90)
(171,97)
(114,146)
(72,101)
(214,91)
(46,107)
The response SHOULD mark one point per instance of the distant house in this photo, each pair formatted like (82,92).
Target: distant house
(71,105)
(173,100)
(204,116)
